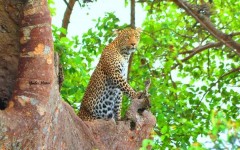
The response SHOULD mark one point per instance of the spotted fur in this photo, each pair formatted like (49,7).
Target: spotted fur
(103,96)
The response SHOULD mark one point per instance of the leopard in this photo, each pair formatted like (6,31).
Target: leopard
(108,82)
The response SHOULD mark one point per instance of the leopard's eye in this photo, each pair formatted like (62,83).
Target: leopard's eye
(127,37)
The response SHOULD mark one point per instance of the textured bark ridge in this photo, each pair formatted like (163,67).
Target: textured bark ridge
(36,117)
(9,51)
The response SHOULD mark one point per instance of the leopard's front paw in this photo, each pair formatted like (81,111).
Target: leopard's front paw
(139,95)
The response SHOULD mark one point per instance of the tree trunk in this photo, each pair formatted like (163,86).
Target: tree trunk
(36,117)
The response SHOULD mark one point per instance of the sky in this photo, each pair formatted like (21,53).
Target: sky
(82,18)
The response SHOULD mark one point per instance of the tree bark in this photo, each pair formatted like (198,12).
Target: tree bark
(36,117)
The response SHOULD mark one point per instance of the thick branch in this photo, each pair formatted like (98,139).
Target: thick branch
(67,15)
(132,24)
(132,21)
(65,1)
(209,26)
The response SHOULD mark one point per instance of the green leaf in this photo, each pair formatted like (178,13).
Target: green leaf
(164,129)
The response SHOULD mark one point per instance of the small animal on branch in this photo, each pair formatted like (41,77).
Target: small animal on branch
(103,96)
(204,8)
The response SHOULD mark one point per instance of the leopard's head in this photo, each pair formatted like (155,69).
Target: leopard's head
(127,40)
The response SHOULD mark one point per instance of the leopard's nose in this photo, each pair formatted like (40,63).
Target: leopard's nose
(133,44)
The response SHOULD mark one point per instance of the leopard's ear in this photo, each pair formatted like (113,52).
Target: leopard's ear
(117,31)
(139,30)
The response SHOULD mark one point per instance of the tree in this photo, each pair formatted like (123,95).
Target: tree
(189,49)
(36,117)
(191,52)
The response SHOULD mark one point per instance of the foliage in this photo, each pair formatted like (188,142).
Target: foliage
(222,127)
(224,134)
(183,94)
(146,144)
(51,7)
(75,66)
(192,94)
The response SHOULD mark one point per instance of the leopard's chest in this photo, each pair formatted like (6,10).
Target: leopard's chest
(111,96)
(124,69)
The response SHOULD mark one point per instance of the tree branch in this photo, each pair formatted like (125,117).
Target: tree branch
(67,15)
(132,24)
(132,21)
(234,34)
(209,26)
(68,6)
(186,52)
(198,50)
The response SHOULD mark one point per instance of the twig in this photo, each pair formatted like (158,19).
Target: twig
(213,84)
